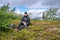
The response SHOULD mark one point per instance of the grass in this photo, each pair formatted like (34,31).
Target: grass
(39,30)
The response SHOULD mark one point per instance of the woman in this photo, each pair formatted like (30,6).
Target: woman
(24,22)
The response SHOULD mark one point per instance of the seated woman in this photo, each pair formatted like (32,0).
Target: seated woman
(24,22)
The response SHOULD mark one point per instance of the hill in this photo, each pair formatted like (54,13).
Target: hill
(39,30)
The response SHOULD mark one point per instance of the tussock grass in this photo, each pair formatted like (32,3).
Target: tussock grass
(39,30)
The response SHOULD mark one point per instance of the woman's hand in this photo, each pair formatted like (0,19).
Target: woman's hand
(24,23)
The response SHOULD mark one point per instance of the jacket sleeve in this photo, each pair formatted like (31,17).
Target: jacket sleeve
(28,22)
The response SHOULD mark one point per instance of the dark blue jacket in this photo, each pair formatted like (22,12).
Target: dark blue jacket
(26,19)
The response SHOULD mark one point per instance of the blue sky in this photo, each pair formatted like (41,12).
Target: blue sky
(32,6)
(25,5)
(22,8)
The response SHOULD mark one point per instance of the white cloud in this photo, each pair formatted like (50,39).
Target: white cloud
(17,11)
(1,5)
(38,4)
(33,3)
(36,12)
(59,10)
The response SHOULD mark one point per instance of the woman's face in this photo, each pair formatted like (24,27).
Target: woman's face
(25,14)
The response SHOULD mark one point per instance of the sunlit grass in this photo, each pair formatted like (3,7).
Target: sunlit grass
(39,30)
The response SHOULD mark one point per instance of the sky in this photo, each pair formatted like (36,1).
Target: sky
(34,6)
